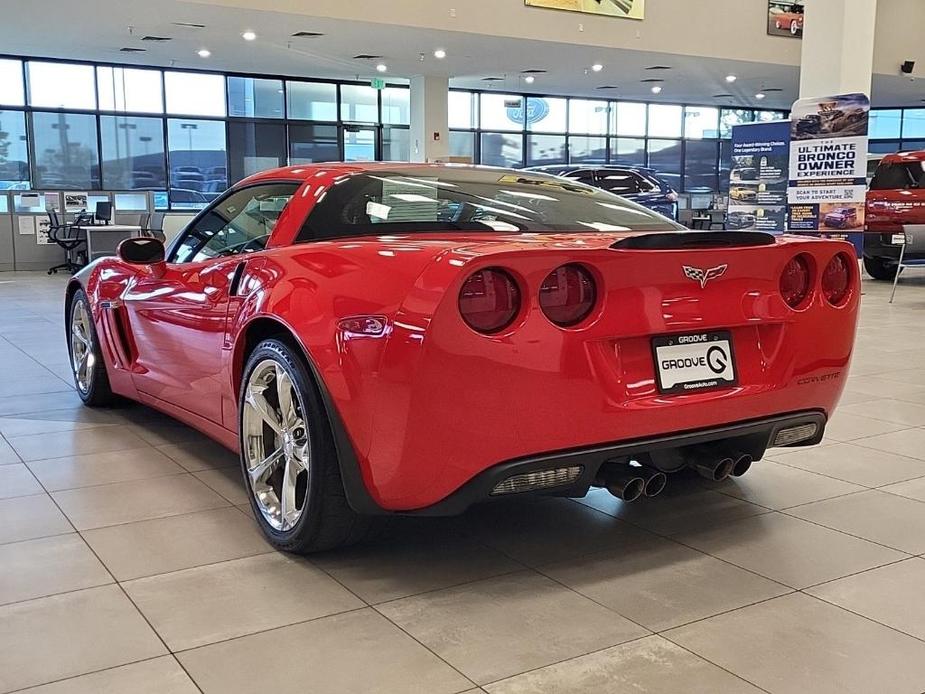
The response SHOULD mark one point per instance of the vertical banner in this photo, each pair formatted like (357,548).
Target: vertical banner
(758,177)
(828,165)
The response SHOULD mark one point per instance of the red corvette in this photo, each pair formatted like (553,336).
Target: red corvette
(397,338)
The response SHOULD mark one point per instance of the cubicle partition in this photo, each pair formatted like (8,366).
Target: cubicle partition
(24,223)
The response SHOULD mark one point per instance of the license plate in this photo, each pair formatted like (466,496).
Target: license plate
(898,239)
(695,362)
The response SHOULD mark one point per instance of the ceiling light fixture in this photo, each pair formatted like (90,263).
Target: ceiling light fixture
(656,89)
(382,67)
(731,78)
(529,79)
(249,36)
(760,95)
(204,52)
(597,67)
(440,54)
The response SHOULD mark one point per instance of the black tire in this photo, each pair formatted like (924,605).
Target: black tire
(327,520)
(879,269)
(97,392)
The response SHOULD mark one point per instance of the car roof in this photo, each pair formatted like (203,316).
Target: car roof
(900,157)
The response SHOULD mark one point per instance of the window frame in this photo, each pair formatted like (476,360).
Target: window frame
(174,246)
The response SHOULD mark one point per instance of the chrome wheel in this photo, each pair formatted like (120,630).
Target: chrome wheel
(82,357)
(277,451)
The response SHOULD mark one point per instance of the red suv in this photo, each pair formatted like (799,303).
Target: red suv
(896,197)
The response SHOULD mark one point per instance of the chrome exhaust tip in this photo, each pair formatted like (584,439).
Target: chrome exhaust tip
(626,487)
(715,470)
(655,484)
(741,465)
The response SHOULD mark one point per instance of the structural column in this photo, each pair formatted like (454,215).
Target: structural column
(838,47)
(430,132)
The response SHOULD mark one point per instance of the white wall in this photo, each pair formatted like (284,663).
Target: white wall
(174,223)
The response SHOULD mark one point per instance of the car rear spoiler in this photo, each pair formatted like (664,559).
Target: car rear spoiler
(675,240)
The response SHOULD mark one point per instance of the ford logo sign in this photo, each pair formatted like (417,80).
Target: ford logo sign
(537,110)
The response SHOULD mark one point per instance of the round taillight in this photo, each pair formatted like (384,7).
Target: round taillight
(795,281)
(836,280)
(489,300)
(567,295)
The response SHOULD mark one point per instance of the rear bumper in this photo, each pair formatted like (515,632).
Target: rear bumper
(751,436)
(879,246)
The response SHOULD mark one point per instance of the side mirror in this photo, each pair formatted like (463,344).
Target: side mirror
(142,251)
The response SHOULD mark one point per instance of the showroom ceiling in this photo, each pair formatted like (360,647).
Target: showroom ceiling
(100,29)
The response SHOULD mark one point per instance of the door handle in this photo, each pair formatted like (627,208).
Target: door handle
(236,279)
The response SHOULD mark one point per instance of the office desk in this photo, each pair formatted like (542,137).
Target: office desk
(103,239)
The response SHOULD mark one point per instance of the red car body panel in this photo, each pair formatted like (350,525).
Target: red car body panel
(886,211)
(431,403)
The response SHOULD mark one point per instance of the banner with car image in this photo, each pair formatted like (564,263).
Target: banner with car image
(828,165)
(758,177)
(630,9)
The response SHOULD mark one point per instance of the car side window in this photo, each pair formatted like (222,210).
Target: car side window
(618,182)
(582,176)
(238,223)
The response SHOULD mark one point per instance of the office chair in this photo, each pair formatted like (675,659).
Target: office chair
(154,226)
(61,235)
(103,212)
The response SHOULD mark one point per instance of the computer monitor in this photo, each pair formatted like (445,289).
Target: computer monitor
(103,212)
(701,201)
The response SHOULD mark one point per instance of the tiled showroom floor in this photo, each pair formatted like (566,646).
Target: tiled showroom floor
(129,563)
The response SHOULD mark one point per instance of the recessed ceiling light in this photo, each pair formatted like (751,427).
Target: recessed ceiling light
(204,52)
(529,79)
(597,67)
(382,67)
(731,78)
(440,54)
(249,36)
(656,89)
(760,95)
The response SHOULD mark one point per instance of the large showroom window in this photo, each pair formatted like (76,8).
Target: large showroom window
(195,94)
(61,85)
(462,145)
(700,165)
(631,119)
(463,110)
(502,112)
(66,151)
(588,117)
(396,143)
(546,149)
(312,101)
(587,150)
(913,123)
(885,124)
(701,122)
(733,116)
(502,149)
(665,120)
(665,158)
(630,151)
(255,98)
(254,147)
(196,151)
(133,153)
(359,104)
(313,143)
(11,84)
(547,115)
(127,89)
(396,106)
(14,150)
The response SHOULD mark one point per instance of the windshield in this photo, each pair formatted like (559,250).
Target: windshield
(470,199)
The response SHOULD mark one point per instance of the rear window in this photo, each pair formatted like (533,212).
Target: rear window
(432,199)
(898,176)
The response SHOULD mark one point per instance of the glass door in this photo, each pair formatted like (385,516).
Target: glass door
(361,143)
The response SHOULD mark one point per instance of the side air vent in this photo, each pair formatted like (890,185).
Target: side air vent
(651,79)
(492,79)
(366,56)
(658,67)
(678,240)
(533,71)
(307,34)
(132,50)
(607,86)
(156,39)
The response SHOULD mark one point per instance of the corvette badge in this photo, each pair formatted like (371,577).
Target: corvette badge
(704,276)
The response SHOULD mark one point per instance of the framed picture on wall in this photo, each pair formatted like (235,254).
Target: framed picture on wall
(629,9)
(785,18)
